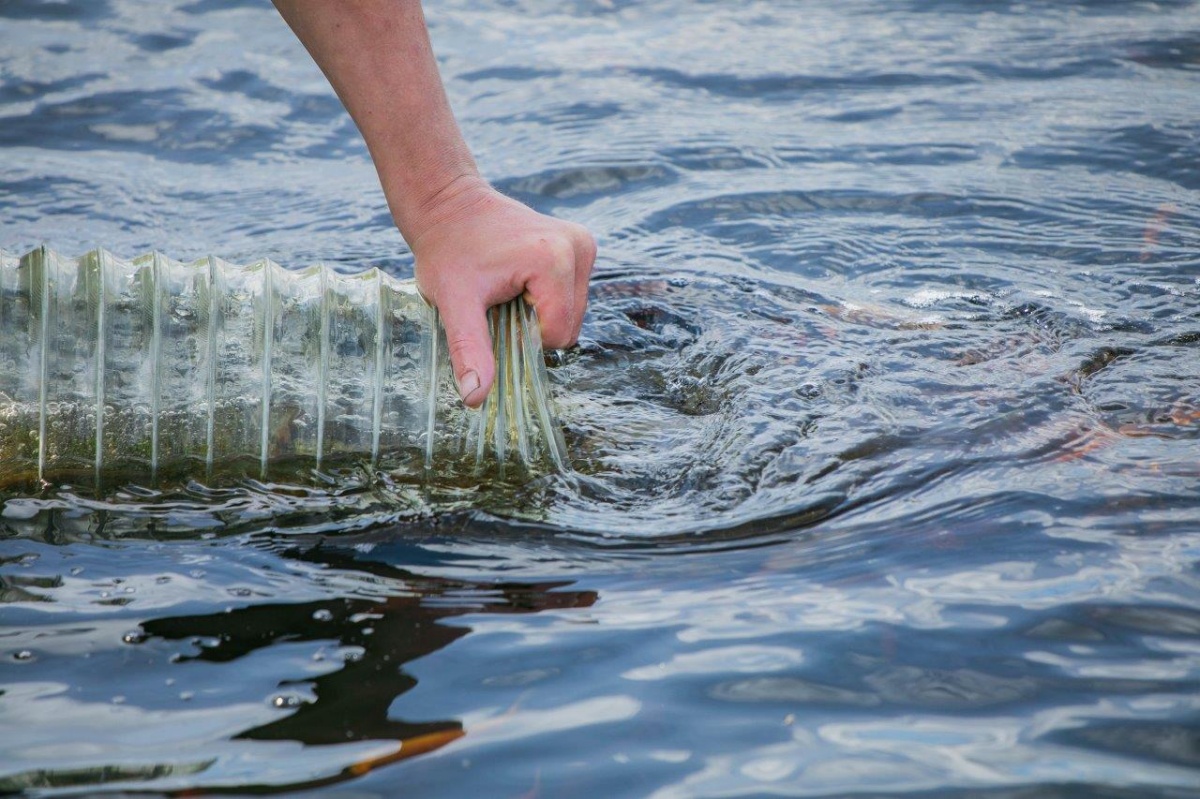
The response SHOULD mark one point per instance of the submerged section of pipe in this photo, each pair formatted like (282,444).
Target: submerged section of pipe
(151,367)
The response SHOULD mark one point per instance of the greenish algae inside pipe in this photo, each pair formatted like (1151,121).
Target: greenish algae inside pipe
(152,368)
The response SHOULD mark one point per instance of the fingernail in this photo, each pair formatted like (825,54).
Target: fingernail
(468,384)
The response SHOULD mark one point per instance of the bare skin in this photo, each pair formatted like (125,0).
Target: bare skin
(474,247)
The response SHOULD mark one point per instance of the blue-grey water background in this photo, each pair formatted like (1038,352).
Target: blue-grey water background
(885,418)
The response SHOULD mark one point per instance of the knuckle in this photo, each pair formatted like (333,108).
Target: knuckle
(564,251)
(590,250)
(556,250)
(460,347)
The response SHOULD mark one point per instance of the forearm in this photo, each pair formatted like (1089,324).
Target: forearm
(473,247)
(377,56)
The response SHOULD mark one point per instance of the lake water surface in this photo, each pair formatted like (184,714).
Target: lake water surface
(884,424)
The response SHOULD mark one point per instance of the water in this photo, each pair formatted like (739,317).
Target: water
(885,420)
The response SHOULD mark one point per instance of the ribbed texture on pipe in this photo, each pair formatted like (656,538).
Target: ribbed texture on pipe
(155,369)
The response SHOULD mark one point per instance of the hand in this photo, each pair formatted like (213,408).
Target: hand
(479,249)
(475,248)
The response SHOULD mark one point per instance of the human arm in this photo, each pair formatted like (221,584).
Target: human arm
(474,247)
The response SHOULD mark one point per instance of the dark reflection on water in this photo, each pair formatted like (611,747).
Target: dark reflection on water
(342,693)
(351,704)
(884,419)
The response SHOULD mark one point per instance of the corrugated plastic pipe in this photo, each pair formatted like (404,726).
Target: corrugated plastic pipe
(136,367)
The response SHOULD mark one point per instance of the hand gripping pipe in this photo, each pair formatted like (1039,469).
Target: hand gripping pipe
(150,367)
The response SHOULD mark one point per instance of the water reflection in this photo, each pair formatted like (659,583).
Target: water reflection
(376,638)
(343,692)
(884,419)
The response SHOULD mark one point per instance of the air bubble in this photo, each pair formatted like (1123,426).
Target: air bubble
(287,701)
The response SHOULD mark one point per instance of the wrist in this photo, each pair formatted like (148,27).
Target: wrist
(459,197)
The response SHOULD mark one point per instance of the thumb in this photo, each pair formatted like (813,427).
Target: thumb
(470,346)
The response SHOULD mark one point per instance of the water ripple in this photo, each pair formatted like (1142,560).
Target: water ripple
(883,421)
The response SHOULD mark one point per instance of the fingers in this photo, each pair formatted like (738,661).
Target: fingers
(506,249)
(559,292)
(470,345)
(585,260)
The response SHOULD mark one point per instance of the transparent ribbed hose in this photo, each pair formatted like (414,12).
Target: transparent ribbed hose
(151,367)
